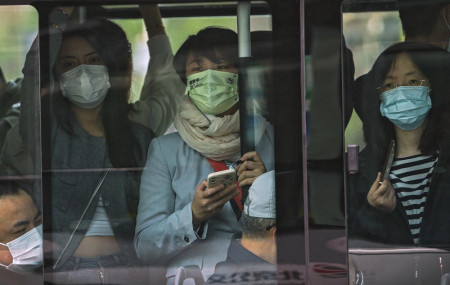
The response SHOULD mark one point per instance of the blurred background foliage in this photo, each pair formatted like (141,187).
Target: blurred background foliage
(367,34)
(18,28)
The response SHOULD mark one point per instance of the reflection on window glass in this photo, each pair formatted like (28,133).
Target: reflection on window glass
(125,203)
(20,196)
(398,196)
(99,142)
(18,29)
(367,35)
(184,217)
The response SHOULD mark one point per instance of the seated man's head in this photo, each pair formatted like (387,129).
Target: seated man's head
(258,220)
(20,228)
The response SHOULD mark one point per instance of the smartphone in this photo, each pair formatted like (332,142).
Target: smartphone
(225,177)
(388,162)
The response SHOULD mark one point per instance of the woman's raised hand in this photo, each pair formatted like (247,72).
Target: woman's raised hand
(252,167)
(152,19)
(382,197)
(209,201)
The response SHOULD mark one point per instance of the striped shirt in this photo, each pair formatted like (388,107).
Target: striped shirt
(411,179)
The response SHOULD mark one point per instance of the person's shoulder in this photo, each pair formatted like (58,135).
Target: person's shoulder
(141,131)
(444,151)
(269,130)
(170,142)
(363,77)
(171,138)
(224,270)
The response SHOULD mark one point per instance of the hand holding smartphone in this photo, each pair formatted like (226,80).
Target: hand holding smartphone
(225,177)
(388,162)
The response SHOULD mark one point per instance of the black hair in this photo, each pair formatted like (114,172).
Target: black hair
(255,228)
(111,43)
(418,17)
(434,63)
(214,43)
(9,186)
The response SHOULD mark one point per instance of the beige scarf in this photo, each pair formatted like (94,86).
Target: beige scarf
(218,140)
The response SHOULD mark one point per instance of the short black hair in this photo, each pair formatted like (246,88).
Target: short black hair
(418,17)
(9,187)
(434,63)
(214,43)
(255,228)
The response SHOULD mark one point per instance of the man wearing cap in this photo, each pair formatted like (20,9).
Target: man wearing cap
(253,257)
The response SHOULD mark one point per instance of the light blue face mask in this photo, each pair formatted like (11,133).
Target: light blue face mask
(406,106)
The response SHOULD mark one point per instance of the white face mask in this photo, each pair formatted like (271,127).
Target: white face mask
(26,251)
(86,85)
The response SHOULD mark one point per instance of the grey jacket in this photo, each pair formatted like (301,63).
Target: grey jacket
(164,232)
(78,165)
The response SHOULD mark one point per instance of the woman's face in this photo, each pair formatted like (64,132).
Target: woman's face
(74,52)
(198,64)
(408,105)
(404,72)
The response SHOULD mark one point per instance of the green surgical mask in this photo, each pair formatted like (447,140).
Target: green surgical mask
(212,91)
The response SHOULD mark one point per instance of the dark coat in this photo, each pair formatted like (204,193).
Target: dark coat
(243,267)
(366,222)
(75,180)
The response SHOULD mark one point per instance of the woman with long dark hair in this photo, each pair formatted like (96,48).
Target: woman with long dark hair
(405,97)
(97,151)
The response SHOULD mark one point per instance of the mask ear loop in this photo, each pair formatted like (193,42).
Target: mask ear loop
(192,101)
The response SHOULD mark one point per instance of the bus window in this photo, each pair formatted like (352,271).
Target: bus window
(122,200)
(324,121)
(398,189)
(130,113)
(20,191)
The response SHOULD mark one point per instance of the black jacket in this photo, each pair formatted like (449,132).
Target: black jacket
(243,267)
(368,223)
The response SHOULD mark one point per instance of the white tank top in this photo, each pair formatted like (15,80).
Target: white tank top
(100,225)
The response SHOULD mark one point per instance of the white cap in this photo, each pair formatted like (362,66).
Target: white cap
(260,202)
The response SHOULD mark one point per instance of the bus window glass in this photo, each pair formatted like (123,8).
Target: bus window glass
(324,122)
(123,202)
(397,196)
(20,175)
(367,34)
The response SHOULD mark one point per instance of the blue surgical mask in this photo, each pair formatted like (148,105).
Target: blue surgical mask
(406,106)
